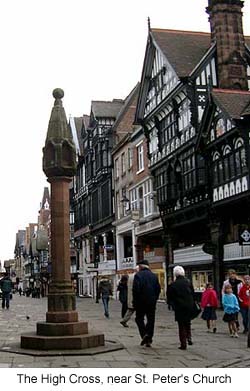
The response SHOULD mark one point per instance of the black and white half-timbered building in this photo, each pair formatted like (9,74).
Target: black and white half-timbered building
(194,106)
(92,199)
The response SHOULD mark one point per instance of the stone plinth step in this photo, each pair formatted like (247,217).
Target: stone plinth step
(61,316)
(58,329)
(41,342)
(110,346)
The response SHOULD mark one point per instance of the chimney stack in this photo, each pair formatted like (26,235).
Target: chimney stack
(225,18)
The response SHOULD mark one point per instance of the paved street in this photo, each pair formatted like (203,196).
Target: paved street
(209,350)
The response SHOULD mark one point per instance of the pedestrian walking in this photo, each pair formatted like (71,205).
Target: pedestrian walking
(6,287)
(146,290)
(104,292)
(130,304)
(244,299)
(123,294)
(180,296)
(233,280)
(231,309)
(236,284)
(20,290)
(209,303)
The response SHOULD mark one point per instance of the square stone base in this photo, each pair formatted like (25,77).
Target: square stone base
(58,329)
(41,342)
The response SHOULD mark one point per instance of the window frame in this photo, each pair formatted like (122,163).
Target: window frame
(140,157)
(117,171)
(147,198)
(123,164)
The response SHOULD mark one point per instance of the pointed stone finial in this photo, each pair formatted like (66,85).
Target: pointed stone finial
(59,155)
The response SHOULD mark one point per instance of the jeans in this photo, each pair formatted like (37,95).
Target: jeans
(244,313)
(148,328)
(105,300)
(128,315)
(5,299)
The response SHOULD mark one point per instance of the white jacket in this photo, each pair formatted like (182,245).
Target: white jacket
(130,290)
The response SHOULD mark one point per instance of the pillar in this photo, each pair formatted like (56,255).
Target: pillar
(218,255)
(62,330)
(105,255)
(134,245)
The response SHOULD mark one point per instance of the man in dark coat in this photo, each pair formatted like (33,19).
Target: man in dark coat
(6,287)
(180,296)
(123,294)
(105,291)
(146,290)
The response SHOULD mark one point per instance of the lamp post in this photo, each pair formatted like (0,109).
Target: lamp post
(96,264)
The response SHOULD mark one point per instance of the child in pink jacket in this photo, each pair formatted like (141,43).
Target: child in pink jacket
(209,303)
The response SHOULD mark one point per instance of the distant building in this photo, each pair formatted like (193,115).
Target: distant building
(19,254)
(9,267)
(93,197)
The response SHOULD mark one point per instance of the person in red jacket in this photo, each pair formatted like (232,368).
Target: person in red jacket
(209,303)
(244,299)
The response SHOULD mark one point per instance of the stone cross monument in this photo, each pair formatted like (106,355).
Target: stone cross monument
(62,330)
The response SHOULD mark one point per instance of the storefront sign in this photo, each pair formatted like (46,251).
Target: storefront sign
(244,237)
(107,266)
(109,247)
(135,215)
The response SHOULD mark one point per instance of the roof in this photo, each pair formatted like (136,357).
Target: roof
(78,127)
(78,124)
(85,120)
(127,110)
(126,103)
(235,102)
(106,109)
(183,49)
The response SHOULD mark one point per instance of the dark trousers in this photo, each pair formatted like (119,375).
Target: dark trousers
(124,309)
(184,333)
(244,313)
(5,299)
(148,327)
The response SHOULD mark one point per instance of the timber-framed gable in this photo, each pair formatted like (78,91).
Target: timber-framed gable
(224,140)
(171,126)
(198,134)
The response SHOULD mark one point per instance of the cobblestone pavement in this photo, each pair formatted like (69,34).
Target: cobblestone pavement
(209,350)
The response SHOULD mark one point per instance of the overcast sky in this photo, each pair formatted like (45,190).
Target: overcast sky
(94,50)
